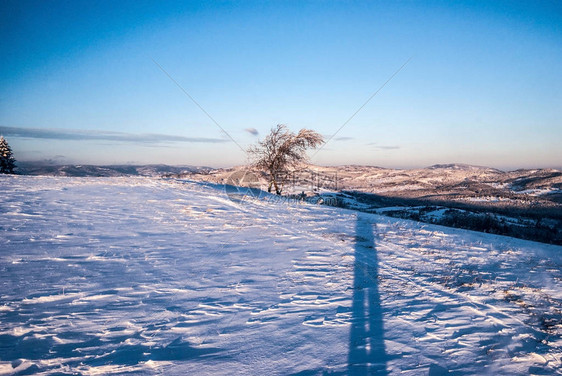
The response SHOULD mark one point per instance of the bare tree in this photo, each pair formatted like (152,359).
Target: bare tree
(281,151)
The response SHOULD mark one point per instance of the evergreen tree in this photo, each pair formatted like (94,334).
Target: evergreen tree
(7,161)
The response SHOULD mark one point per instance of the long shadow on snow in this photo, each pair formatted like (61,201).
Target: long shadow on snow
(367,354)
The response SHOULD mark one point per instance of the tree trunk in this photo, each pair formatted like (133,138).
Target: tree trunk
(277,189)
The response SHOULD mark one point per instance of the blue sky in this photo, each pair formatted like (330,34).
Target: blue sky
(78,83)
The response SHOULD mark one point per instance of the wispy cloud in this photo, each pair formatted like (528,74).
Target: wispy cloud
(376,145)
(85,135)
(392,147)
(343,138)
(252,131)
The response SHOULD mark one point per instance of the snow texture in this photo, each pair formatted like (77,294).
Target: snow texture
(156,276)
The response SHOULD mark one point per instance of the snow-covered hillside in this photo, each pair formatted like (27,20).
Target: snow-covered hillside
(458,180)
(150,276)
(526,204)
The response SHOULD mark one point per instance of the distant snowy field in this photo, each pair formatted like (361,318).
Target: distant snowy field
(151,276)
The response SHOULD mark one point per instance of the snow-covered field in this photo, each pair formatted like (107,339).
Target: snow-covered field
(151,276)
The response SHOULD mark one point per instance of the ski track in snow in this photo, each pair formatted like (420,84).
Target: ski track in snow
(150,276)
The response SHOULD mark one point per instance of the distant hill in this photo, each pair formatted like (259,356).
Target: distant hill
(461,167)
(40,168)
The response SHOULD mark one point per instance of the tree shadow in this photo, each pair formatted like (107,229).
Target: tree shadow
(367,354)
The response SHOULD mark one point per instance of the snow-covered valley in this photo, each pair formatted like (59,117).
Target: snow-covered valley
(169,276)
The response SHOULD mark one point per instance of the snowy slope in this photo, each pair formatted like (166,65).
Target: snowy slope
(116,275)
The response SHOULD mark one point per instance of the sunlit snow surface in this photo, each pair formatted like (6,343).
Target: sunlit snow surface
(171,277)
